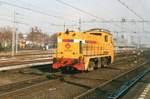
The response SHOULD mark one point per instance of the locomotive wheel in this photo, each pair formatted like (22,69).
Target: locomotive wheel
(91,65)
(99,63)
(104,62)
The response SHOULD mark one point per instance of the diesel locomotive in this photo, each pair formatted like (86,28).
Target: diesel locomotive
(84,51)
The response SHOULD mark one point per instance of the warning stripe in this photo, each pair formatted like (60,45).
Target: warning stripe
(68,40)
(89,41)
(76,40)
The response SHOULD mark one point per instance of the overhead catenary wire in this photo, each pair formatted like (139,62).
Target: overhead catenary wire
(85,12)
(35,6)
(48,14)
(131,10)
(80,10)
(136,14)
(7,20)
(33,10)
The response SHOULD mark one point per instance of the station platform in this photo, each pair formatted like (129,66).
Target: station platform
(11,67)
(25,59)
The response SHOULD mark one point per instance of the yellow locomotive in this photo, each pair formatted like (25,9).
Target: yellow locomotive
(84,51)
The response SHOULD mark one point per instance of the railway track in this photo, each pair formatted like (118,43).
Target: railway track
(21,84)
(63,86)
(22,61)
(116,87)
(58,83)
(140,90)
(27,53)
(9,90)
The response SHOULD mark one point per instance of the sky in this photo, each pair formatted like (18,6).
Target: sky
(54,14)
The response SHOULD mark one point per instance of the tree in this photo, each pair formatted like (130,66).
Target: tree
(6,36)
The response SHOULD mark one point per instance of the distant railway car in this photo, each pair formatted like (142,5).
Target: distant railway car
(84,51)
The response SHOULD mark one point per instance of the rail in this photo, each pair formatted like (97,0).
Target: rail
(120,91)
(115,87)
(11,89)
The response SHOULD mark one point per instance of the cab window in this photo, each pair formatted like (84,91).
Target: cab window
(106,38)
